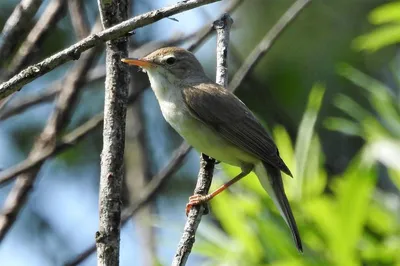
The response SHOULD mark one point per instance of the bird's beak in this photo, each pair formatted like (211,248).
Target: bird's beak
(137,62)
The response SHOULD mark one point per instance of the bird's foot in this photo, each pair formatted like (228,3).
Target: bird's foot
(195,200)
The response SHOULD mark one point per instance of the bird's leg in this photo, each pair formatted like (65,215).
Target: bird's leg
(198,199)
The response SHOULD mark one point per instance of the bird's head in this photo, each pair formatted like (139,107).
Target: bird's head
(173,63)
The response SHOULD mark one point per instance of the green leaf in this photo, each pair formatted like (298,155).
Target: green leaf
(351,107)
(232,213)
(377,39)
(389,12)
(353,191)
(316,180)
(305,133)
(343,125)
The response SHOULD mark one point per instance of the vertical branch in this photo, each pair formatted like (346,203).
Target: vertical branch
(222,26)
(137,165)
(78,17)
(116,92)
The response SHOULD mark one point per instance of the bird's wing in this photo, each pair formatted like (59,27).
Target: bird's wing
(233,120)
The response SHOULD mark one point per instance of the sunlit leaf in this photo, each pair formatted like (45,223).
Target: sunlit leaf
(343,125)
(351,107)
(389,12)
(379,38)
(354,192)
(362,80)
(381,97)
(380,220)
(316,177)
(305,133)
(232,215)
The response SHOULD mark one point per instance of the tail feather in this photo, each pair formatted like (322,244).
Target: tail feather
(271,180)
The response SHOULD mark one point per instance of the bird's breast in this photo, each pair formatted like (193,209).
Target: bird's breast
(201,136)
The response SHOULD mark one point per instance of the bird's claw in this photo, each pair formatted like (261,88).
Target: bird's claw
(195,200)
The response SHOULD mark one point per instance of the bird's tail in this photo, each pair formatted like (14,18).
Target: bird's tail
(271,180)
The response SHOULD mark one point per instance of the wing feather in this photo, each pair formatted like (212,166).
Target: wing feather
(233,120)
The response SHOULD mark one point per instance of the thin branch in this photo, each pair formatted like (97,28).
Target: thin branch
(73,52)
(266,43)
(16,26)
(46,143)
(111,165)
(79,19)
(53,12)
(150,191)
(205,175)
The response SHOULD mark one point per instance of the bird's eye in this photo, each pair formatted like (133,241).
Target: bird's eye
(170,60)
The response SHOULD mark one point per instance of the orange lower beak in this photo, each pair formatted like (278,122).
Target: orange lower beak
(137,62)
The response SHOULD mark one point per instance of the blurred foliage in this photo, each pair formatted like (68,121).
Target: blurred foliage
(387,17)
(342,222)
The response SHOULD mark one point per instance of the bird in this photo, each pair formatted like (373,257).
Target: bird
(217,123)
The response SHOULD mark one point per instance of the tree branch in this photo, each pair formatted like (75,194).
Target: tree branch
(205,175)
(78,17)
(73,52)
(115,102)
(266,43)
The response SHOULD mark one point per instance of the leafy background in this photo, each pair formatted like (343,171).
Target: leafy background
(329,91)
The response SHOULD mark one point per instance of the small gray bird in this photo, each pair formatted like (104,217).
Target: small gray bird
(215,122)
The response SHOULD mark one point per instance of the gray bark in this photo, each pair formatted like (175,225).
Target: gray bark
(116,93)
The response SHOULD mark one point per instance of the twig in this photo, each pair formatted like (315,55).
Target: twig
(266,43)
(46,143)
(48,19)
(111,166)
(205,175)
(73,52)
(206,31)
(17,26)
(78,17)
(150,191)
